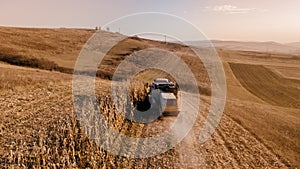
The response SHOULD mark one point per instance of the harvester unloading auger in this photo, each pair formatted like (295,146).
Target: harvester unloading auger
(163,95)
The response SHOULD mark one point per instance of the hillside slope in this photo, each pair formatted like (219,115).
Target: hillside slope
(273,47)
(61,46)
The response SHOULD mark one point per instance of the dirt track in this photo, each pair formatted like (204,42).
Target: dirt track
(231,146)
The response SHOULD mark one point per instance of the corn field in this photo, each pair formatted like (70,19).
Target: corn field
(44,132)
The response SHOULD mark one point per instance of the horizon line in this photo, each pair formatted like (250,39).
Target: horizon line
(100,28)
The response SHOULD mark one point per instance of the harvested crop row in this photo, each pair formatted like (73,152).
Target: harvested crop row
(267,85)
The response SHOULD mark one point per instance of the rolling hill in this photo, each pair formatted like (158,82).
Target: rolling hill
(273,47)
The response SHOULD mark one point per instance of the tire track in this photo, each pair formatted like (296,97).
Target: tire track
(215,149)
(241,147)
(233,146)
(214,153)
(268,154)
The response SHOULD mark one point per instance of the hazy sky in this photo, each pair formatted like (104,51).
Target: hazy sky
(247,20)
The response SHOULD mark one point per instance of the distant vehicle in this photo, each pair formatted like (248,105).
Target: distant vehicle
(163,96)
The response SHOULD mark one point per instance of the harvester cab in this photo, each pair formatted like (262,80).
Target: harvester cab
(164,85)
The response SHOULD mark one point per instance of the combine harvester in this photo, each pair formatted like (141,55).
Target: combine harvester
(163,96)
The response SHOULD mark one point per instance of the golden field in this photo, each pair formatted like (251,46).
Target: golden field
(260,126)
